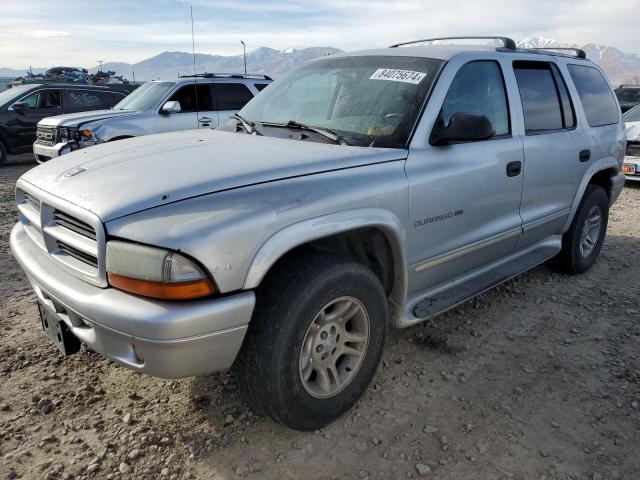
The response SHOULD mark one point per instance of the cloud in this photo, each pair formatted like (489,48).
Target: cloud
(49,34)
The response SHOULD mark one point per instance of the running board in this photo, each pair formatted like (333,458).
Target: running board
(460,292)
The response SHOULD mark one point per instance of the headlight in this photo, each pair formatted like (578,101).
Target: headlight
(155,272)
(68,134)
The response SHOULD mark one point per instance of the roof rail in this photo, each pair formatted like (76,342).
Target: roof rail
(579,53)
(507,42)
(228,75)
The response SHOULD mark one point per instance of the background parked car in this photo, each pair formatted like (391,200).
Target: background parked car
(628,96)
(631,166)
(23,106)
(203,101)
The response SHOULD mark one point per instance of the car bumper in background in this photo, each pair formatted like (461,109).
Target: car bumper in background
(165,339)
(634,164)
(42,153)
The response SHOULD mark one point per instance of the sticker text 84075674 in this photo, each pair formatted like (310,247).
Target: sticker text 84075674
(394,75)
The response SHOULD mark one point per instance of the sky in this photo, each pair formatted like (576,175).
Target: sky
(43,33)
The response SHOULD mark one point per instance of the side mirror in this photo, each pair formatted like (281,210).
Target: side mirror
(172,106)
(20,106)
(463,127)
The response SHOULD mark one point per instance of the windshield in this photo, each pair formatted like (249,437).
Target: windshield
(12,94)
(365,100)
(632,115)
(144,97)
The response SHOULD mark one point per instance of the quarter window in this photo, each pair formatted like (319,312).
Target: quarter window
(600,106)
(478,87)
(260,86)
(232,96)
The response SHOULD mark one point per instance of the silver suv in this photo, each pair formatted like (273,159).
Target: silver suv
(358,192)
(200,101)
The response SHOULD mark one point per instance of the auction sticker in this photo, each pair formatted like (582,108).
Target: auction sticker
(394,75)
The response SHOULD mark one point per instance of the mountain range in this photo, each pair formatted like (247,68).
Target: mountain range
(621,67)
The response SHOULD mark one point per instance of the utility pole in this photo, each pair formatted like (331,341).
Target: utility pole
(244,56)
(100,62)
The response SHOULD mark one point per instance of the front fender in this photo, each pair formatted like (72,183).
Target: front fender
(108,132)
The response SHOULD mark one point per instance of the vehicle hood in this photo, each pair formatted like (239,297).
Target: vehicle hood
(80,119)
(633,131)
(127,176)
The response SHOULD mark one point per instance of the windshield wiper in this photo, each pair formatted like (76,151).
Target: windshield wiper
(325,132)
(248,126)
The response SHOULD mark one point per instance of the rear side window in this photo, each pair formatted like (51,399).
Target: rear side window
(478,87)
(599,104)
(260,86)
(232,96)
(545,100)
(83,99)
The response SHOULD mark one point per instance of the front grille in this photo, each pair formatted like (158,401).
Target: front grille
(46,135)
(77,254)
(633,149)
(73,224)
(74,238)
(33,201)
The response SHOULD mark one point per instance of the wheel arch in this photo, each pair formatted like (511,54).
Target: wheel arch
(601,173)
(374,237)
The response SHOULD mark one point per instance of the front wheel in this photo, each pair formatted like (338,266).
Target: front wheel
(581,244)
(315,341)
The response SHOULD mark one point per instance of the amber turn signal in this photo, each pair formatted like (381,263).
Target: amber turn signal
(163,291)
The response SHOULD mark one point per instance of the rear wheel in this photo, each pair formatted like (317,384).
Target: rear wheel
(583,241)
(315,341)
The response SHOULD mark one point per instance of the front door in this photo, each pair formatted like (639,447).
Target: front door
(36,106)
(187,117)
(465,197)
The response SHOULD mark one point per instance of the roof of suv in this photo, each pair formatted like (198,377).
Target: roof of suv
(61,85)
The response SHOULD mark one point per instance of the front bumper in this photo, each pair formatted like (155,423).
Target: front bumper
(635,161)
(42,153)
(164,339)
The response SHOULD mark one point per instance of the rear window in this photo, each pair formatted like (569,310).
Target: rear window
(232,96)
(599,104)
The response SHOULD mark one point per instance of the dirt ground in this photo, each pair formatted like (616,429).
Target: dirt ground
(537,379)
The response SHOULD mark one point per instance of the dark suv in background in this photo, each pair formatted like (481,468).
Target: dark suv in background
(628,96)
(23,106)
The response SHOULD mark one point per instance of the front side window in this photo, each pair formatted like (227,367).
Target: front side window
(145,97)
(542,104)
(232,96)
(478,87)
(599,104)
(43,99)
(194,98)
(367,100)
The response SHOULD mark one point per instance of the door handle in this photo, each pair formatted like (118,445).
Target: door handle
(204,120)
(514,169)
(585,155)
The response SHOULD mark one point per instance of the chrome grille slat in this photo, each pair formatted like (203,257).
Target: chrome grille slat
(73,224)
(78,254)
(633,149)
(46,135)
(33,201)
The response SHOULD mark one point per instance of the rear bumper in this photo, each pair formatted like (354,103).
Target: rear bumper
(164,339)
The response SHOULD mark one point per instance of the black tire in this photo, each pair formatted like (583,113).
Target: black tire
(570,259)
(3,152)
(268,367)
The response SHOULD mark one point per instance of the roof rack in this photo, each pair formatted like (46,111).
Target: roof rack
(228,75)
(579,53)
(507,42)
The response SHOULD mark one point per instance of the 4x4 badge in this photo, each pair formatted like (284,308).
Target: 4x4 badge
(74,171)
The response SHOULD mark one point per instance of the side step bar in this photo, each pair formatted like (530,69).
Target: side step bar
(460,292)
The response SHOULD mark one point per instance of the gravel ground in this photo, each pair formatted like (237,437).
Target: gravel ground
(537,379)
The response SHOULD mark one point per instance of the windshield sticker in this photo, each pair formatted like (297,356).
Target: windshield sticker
(406,76)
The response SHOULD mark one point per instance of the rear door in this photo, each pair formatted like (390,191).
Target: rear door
(557,152)
(230,98)
(40,104)
(464,199)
